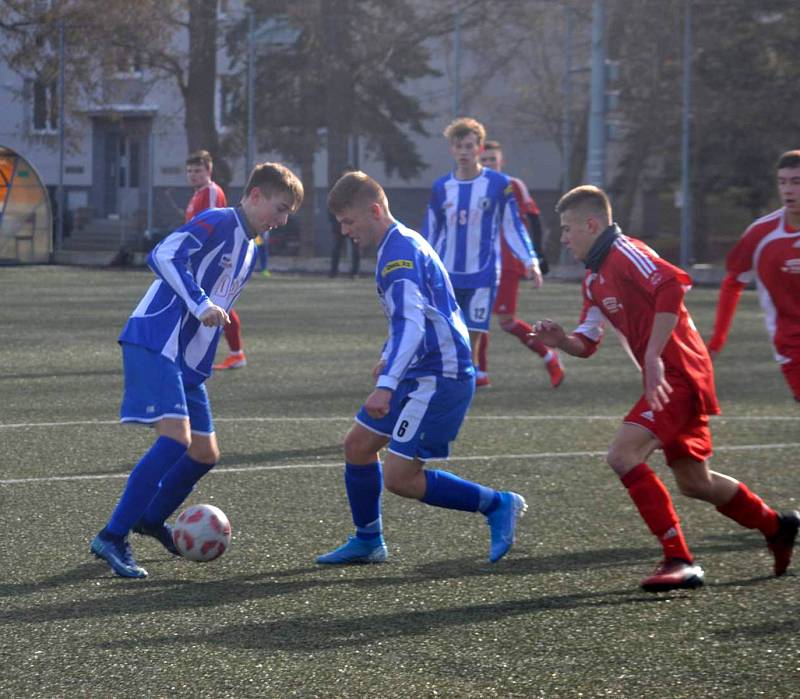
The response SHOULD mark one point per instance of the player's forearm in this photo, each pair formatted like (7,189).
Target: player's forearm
(663,325)
(171,268)
(576,346)
(730,292)
(401,349)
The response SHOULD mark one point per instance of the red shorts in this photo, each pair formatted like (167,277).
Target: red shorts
(791,373)
(682,430)
(506,301)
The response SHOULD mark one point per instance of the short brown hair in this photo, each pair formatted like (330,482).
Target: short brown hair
(791,158)
(355,189)
(586,196)
(492,145)
(464,126)
(274,178)
(200,157)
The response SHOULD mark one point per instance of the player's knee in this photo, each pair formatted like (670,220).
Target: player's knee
(620,460)
(697,487)
(398,483)
(205,454)
(506,322)
(355,447)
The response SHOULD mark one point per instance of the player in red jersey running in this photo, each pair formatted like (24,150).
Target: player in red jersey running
(505,306)
(209,195)
(770,250)
(641,295)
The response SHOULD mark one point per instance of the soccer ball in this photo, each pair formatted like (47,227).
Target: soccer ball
(202,533)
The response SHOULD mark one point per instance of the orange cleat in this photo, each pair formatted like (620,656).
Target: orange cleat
(232,361)
(555,370)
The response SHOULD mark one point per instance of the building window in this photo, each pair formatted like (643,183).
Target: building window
(129,62)
(45,106)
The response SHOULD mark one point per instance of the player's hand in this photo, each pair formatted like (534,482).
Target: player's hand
(656,386)
(377,370)
(214,316)
(549,332)
(534,274)
(377,403)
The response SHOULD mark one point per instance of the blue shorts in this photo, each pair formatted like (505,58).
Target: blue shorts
(425,415)
(154,389)
(477,305)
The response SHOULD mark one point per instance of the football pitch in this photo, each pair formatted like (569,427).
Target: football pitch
(561,616)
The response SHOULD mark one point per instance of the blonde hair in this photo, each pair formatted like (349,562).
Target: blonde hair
(588,197)
(356,189)
(464,126)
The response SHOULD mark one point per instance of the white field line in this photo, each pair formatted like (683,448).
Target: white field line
(100,423)
(339,464)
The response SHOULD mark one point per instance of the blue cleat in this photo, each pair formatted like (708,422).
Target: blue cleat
(356,550)
(118,555)
(160,532)
(503,522)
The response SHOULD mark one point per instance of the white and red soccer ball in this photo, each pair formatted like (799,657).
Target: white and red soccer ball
(202,533)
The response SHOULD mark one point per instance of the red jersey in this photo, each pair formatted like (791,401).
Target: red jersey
(769,250)
(526,205)
(209,197)
(624,293)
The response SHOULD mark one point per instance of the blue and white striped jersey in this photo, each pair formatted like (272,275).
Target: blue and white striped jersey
(427,334)
(207,260)
(463,224)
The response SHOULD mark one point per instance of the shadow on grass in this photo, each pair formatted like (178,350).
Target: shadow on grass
(333,451)
(321,632)
(154,595)
(60,374)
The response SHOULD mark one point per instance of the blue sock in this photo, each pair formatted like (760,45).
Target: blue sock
(444,489)
(174,488)
(364,485)
(142,485)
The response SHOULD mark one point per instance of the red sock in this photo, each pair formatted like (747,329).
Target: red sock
(233,332)
(749,510)
(655,506)
(483,352)
(520,329)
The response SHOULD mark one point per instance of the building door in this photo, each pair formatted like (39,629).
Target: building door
(120,167)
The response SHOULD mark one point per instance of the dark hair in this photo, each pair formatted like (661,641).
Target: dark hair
(492,145)
(791,158)
(355,188)
(200,157)
(587,196)
(272,178)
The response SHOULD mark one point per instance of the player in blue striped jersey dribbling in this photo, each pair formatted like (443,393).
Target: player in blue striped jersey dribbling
(168,346)
(425,381)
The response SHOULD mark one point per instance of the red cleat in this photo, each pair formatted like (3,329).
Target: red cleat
(673,574)
(483,381)
(555,370)
(782,544)
(232,361)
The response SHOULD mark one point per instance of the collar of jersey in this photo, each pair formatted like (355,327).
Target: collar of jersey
(386,236)
(472,179)
(600,248)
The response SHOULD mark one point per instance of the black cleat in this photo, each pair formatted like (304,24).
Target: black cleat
(160,532)
(782,544)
